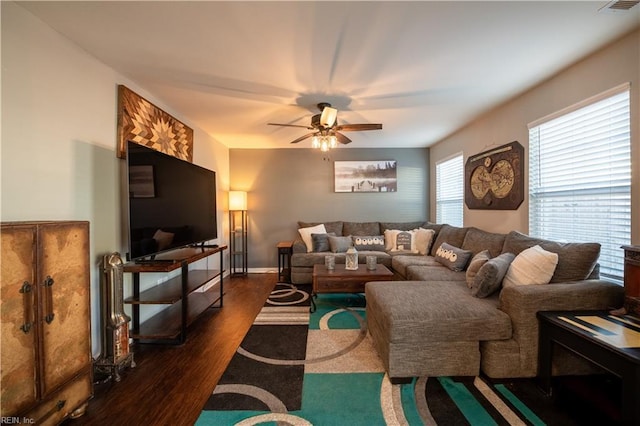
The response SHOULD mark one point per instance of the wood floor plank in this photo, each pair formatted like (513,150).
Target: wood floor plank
(171,384)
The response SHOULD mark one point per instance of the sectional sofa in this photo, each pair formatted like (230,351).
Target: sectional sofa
(436,320)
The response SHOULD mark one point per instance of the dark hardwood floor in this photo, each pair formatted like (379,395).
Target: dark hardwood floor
(170,384)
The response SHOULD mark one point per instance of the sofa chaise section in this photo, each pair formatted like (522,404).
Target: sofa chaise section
(433,329)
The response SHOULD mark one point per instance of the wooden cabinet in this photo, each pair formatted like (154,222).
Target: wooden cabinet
(45,321)
(182,294)
(632,279)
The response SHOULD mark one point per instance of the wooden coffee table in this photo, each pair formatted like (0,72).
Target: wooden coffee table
(341,280)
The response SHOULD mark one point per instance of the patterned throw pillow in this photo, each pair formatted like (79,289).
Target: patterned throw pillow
(368,243)
(488,280)
(452,257)
(398,240)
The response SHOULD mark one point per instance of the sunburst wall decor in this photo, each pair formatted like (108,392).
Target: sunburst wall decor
(142,122)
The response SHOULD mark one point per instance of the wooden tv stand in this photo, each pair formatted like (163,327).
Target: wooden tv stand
(182,292)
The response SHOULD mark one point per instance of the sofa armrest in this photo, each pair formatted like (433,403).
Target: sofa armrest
(522,303)
(299,246)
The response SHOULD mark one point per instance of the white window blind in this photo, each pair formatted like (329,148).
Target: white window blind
(580,177)
(450,191)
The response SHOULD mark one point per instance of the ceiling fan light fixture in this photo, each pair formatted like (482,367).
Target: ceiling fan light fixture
(315,142)
(333,141)
(328,116)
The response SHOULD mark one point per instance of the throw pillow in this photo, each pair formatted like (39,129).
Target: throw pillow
(489,278)
(305,234)
(534,265)
(398,240)
(369,243)
(340,244)
(163,239)
(390,238)
(476,263)
(320,242)
(424,238)
(452,257)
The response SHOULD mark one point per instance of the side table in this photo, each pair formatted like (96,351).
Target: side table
(612,342)
(285,249)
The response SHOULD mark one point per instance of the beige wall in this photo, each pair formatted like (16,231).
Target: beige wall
(610,67)
(290,185)
(59,138)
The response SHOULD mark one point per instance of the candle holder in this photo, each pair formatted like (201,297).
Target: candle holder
(351,259)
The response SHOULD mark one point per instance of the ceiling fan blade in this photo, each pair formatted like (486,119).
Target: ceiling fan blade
(342,138)
(290,125)
(301,138)
(358,127)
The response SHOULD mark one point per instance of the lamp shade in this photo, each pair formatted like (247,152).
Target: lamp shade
(328,116)
(237,200)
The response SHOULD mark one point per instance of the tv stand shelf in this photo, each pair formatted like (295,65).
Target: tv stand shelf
(181,292)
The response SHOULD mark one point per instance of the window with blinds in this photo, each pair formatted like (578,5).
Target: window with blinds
(450,191)
(580,176)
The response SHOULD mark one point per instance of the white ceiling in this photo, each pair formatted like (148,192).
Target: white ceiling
(423,69)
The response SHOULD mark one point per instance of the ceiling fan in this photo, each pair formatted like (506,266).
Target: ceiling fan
(325,126)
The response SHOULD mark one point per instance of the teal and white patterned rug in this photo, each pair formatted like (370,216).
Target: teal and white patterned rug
(297,368)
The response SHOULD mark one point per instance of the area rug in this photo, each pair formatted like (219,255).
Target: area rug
(297,368)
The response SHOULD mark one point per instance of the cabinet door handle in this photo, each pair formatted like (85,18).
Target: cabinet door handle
(57,407)
(48,283)
(26,290)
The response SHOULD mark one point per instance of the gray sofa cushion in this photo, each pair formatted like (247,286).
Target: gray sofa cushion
(449,234)
(402,261)
(477,240)
(434,273)
(575,260)
(489,277)
(335,227)
(435,226)
(402,226)
(436,311)
(360,228)
(309,259)
(305,261)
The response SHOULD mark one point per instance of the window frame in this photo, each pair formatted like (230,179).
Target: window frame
(454,199)
(616,231)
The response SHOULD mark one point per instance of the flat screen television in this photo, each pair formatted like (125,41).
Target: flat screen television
(171,203)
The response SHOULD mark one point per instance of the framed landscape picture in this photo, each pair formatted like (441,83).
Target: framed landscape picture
(365,176)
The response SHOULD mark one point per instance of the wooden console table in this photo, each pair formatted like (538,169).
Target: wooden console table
(611,342)
(182,293)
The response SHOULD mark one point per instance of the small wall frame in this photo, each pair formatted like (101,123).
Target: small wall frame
(494,178)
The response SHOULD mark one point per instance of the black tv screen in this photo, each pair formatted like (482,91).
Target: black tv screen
(172,202)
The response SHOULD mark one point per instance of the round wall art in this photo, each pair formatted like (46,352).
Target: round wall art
(494,178)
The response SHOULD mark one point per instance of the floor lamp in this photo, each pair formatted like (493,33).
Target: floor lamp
(238,232)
